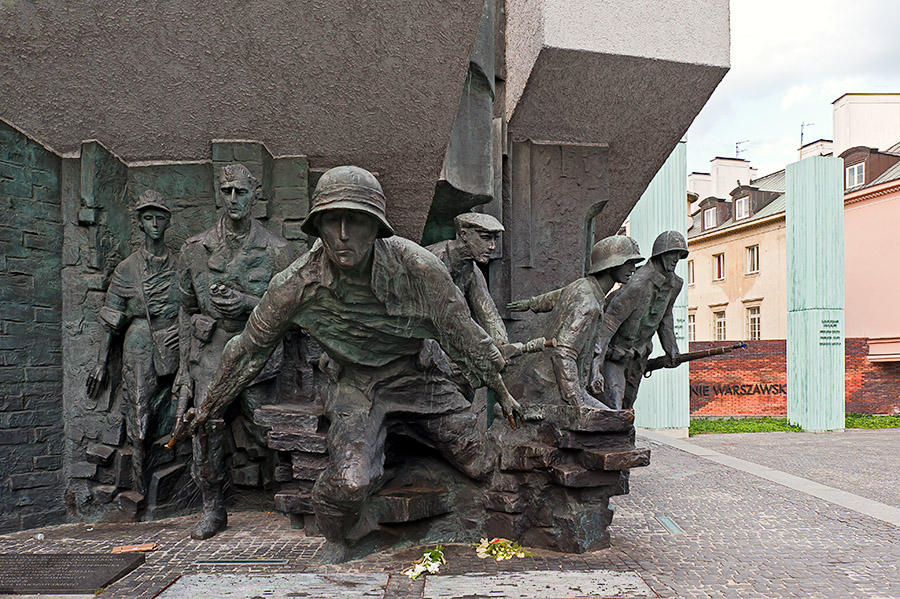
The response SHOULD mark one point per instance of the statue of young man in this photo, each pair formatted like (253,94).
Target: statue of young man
(368,298)
(638,310)
(561,373)
(142,301)
(476,240)
(223,272)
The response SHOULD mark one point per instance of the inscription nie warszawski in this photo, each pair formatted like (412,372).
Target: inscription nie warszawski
(739,389)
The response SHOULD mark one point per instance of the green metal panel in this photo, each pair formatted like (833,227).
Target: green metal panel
(815,293)
(664,399)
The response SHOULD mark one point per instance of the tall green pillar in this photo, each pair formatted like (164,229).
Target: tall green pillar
(815,293)
(663,400)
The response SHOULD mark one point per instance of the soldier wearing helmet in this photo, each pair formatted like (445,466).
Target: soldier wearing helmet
(562,373)
(222,274)
(369,299)
(142,303)
(634,313)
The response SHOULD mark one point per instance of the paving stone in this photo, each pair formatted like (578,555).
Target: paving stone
(538,585)
(279,586)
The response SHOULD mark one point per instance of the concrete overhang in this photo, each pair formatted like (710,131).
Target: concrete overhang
(632,74)
(375,84)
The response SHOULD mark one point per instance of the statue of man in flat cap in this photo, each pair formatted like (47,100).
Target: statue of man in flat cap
(369,298)
(476,240)
(142,303)
(222,274)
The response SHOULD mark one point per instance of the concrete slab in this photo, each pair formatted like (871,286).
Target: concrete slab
(278,586)
(538,585)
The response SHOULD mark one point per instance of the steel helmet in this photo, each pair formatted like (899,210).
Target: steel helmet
(670,241)
(151,199)
(613,251)
(348,188)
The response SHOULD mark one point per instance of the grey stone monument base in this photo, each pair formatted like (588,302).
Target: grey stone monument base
(550,486)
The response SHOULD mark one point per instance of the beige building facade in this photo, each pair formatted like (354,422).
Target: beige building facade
(736,266)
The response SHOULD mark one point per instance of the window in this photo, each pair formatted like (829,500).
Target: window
(692,327)
(742,208)
(856,175)
(753,323)
(718,267)
(690,272)
(752,259)
(719,322)
(709,218)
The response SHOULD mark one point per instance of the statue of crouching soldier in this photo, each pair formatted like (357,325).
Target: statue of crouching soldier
(368,298)
(638,310)
(223,272)
(561,373)
(142,301)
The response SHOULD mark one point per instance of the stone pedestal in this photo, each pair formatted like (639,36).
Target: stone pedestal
(550,486)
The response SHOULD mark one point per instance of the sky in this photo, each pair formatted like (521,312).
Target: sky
(790,59)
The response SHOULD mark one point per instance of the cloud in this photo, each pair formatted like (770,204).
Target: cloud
(790,59)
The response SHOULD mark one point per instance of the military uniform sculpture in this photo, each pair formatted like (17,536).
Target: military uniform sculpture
(476,239)
(563,376)
(634,313)
(369,299)
(142,301)
(223,272)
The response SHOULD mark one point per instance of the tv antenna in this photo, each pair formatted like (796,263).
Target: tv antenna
(803,127)
(738,147)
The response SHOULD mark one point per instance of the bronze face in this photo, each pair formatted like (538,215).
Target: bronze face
(237,198)
(348,236)
(479,243)
(669,260)
(154,223)
(623,272)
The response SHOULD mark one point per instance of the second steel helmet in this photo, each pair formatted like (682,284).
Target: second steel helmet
(613,251)
(348,188)
(670,241)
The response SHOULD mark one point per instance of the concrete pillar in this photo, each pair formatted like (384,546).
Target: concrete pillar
(664,398)
(815,293)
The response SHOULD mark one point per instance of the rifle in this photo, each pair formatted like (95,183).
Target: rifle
(182,429)
(660,362)
(510,351)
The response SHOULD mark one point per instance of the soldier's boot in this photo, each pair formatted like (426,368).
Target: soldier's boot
(214,517)
(209,473)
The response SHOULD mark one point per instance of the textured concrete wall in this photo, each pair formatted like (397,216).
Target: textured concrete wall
(31,428)
(870,387)
(662,400)
(371,83)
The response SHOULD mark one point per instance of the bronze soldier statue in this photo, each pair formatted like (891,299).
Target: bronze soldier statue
(223,272)
(368,298)
(634,313)
(576,310)
(476,239)
(142,301)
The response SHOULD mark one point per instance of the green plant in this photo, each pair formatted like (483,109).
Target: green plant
(853,420)
(763,424)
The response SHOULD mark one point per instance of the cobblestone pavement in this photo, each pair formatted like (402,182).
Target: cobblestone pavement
(861,461)
(728,534)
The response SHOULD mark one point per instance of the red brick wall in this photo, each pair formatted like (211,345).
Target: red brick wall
(754,381)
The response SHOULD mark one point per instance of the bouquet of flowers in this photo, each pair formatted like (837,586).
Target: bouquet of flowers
(500,549)
(430,562)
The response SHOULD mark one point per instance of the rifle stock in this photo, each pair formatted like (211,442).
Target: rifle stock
(660,362)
